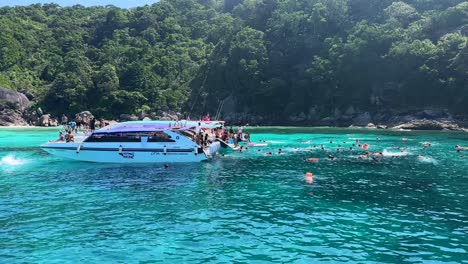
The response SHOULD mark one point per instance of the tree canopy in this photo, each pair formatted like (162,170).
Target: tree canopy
(269,57)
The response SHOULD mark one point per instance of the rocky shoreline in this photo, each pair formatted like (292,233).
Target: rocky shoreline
(15,110)
(423,120)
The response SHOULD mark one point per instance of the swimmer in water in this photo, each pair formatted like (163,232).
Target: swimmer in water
(378,155)
(460,148)
(426,145)
(280,151)
(312,160)
(269,153)
(330,157)
(363,156)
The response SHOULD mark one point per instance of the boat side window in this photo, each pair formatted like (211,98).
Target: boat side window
(160,137)
(130,137)
(116,137)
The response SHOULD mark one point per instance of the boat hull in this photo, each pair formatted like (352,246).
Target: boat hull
(134,156)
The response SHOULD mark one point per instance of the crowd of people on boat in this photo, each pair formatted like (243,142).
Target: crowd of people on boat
(204,137)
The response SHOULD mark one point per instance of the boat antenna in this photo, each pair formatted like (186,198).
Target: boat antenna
(215,51)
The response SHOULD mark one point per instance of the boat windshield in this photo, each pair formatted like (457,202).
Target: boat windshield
(157,136)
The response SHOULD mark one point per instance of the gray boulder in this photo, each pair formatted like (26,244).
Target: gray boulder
(12,98)
(43,120)
(10,117)
(127,117)
(371,125)
(425,124)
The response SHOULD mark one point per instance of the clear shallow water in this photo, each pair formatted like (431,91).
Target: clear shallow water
(250,207)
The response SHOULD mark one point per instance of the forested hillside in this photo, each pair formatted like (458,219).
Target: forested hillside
(262,57)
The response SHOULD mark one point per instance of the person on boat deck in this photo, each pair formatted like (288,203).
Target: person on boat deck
(72,125)
(69,137)
(102,123)
(92,124)
(207,117)
(78,121)
(237,138)
(198,128)
(247,137)
(225,136)
(61,137)
(231,131)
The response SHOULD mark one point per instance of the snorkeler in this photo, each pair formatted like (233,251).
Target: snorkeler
(426,144)
(459,148)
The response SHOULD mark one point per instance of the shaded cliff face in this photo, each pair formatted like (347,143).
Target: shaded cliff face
(12,99)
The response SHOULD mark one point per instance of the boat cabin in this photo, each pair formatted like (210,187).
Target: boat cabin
(154,136)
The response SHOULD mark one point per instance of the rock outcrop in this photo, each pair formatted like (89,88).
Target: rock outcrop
(427,124)
(12,107)
(14,99)
(11,117)
(127,117)
(46,121)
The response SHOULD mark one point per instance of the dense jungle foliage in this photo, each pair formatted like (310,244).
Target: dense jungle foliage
(266,57)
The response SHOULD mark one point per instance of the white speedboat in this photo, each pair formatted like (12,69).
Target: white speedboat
(135,142)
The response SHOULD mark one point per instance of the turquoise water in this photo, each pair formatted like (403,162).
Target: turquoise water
(249,206)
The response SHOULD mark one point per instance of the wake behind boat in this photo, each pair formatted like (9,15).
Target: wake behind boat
(139,142)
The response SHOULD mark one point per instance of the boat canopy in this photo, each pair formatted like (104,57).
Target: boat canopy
(137,127)
(181,123)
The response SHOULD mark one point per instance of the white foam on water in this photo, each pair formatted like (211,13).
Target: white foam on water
(293,149)
(12,161)
(426,160)
(274,142)
(387,153)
